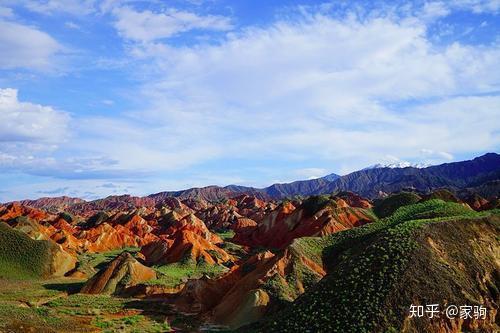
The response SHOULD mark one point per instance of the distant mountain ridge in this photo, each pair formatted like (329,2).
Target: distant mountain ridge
(455,176)
(481,175)
(275,191)
(372,182)
(47,202)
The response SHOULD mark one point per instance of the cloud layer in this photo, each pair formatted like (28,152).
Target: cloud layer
(147,25)
(23,46)
(26,122)
(318,89)
(327,88)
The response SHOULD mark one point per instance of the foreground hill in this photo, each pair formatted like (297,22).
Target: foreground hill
(433,252)
(23,257)
(121,273)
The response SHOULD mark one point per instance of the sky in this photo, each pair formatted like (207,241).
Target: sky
(112,97)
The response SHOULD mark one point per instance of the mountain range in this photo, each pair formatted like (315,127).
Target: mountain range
(368,182)
(401,164)
(480,175)
(222,258)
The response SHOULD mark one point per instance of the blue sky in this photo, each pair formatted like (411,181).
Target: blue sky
(111,97)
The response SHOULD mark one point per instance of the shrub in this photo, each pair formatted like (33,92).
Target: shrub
(389,205)
(315,203)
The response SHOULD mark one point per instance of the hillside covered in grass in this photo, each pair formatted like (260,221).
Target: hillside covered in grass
(333,263)
(23,257)
(433,252)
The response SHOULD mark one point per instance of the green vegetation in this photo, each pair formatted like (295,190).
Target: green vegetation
(88,304)
(22,310)
(111,314)
(30,304)
(26,291)
(67,217)
(442,194)
(44,306)
(234,249)
(133,324)
(92,262)
(97,219)
(389,205)
(312,247)
(20,319)
(365,265)
(285,290)
(314,203)
(431,209)
(22,257)
(172,275)
(225,234)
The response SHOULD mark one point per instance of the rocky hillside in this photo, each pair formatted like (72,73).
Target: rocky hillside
(433,252)
(316,216)
(120,274)
(23,257)
(254,264)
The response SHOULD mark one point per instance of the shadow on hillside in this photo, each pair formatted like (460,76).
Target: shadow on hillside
(161,310)
(151,307)
(69,287)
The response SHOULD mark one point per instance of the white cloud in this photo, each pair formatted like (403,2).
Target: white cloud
(147,25)
(74,7)
(108,102)
(28,122)
(72,25)
(24,46)
(310,173)
(29,134)
(433,10)
(142,147)
(429,153)
(324,88)
(478,6)
(6,12)
(339,92)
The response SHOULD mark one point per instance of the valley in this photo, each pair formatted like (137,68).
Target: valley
(336,262)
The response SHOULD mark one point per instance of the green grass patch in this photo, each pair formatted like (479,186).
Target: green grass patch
(14,318)
(314,203)
(386,207)
(27,291)
(225,234)
(22,257)
(172,275)
(85,304)
(90,263)
(430,209)
(365,264)
(131,324)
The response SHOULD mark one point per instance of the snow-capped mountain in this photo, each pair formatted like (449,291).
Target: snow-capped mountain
(398,165)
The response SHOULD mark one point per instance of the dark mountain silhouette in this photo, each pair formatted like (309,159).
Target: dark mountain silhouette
(480,175)
(455,176)
(275,191)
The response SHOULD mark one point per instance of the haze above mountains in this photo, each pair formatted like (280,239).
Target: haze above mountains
(480,175)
